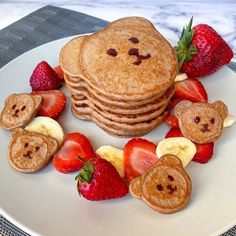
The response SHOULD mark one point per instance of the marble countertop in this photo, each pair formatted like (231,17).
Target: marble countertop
(168,16)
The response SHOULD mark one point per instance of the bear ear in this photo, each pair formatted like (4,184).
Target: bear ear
(135,187)
(181,106)
(171,160)
(221,108)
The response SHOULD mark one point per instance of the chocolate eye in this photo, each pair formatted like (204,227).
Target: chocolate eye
(197,119)
(112,52)
(26,145)
(160,187)
(134,40)
(212,120)
(170,177)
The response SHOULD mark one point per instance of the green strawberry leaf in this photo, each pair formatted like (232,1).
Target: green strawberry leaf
(185,50)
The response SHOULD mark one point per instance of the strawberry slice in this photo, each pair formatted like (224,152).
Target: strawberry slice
(59,72)
(171,119)
(75,145)
(190,89)
(53,104)
(139,155)
(174,132)
(204,151)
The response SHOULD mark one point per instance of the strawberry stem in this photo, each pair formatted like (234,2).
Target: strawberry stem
(185,49)
(86,173)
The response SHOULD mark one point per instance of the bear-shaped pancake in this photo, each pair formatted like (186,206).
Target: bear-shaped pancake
(165,186)
(30,151)
(19,110)
(201,122)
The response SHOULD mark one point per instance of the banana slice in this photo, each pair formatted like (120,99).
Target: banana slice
(181,147)
(229,120)
(46,126)
(181,77)
(114,155)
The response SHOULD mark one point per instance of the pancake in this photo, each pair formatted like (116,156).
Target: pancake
(121,118)
(74,88)
(121,132)
(69,56)
(123,77)
(164,100)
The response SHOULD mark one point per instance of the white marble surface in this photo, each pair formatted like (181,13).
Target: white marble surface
(168,16)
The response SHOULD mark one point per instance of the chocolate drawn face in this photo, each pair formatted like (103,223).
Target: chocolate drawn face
(131,52)
(204,122)
(28,149)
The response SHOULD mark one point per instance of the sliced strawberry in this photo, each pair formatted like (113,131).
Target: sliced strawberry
(170,119)
(53,104)
(190,89)
(139,155)
(204,151)
(59,72)
(174,132)
(75,145)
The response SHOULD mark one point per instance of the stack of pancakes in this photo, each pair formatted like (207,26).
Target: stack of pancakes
(120,77)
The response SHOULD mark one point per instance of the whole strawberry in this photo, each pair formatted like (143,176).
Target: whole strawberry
(99,180)
(44,78)
(201,51)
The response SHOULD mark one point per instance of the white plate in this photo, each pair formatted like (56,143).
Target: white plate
(47,202)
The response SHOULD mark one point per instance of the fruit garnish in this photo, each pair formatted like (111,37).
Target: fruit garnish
(99,180)
(171,119)
(114,155)
(204,151)
(75,144)
(190,89)
(181,147)
(44,78)
(59,72)
(181,77)
(229,120)
(201,50)
(46,126)
(139,155)
(53,103)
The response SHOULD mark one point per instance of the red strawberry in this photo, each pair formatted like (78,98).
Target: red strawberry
(99,180)
(75,145)
(139,155)
(53,104)
(59,72)
(174,132)
(44,78)
(201,51)
(204,151)
(190,89)
(170,119)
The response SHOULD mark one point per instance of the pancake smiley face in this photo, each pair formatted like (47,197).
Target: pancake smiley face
(201,122)
(165,187)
